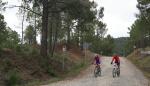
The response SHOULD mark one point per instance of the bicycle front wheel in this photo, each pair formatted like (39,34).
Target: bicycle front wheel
(95,72)
(118,72)
(114,72)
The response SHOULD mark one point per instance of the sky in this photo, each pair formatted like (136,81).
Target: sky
(12,17)
(118,15)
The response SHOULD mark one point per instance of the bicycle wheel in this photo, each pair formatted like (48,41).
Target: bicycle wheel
(95,72)
(114,72)
(118,72)
(99,71)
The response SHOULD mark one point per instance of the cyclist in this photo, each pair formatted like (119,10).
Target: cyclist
(116,60)
(97,60)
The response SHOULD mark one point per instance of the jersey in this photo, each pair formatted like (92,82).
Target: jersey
(97,59)
(116,59)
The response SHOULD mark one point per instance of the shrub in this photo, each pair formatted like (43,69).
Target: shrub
(13,79)
(34,51)
(27,50)
(51,72)
(7,65)
(18,48)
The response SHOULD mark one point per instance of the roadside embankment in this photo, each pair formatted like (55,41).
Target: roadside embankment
(141,60)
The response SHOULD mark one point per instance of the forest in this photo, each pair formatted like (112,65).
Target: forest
(59,23)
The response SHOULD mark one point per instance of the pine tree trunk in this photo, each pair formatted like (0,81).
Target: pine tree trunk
(44,29)
(81,40)
(22,27)
(78,36)
(35,31)
(68,36)
(57,25)
(50,35)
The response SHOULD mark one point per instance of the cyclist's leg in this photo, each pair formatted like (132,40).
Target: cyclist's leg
(118,72)
(118,65)
(97,64)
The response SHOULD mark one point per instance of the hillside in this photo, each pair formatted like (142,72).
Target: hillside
(26,65)
(141,61)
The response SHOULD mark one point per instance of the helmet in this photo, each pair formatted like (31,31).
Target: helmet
(95,54)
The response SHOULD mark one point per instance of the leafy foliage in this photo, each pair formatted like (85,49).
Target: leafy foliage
(13,79)
(70,22)
(12,39)
(2,29)
(120,46)
(8,37)
(103,46)
(140,30)
(29,34)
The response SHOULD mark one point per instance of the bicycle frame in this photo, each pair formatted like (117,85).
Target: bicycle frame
(116,70)
(97,70)
(115,65)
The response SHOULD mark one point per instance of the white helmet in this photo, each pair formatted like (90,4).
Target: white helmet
(95,54)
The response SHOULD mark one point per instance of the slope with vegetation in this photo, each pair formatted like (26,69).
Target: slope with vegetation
(141,61)
(139,38)
(26,65)
(60,23)
(140,29)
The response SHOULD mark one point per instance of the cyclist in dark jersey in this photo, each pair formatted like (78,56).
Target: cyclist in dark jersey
(97,59)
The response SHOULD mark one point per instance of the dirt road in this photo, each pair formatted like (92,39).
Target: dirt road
(130,76)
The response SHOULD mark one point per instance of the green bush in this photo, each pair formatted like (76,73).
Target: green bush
(18,48)
(34,51)
(59,57)
(6,65)
(82,64)
(51,72)
(46,66)
(27,50)
(13,79)
(79,65)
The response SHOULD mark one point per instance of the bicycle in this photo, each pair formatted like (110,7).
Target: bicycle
(115,71)
(97,71)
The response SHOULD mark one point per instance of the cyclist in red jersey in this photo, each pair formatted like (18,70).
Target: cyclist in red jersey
(116,60)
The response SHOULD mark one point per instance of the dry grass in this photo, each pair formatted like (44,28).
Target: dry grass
(141,62)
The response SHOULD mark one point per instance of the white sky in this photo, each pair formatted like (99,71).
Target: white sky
(11,16)
(118,15)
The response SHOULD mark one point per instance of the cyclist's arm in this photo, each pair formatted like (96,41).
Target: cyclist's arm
(119,59)
(113,59)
